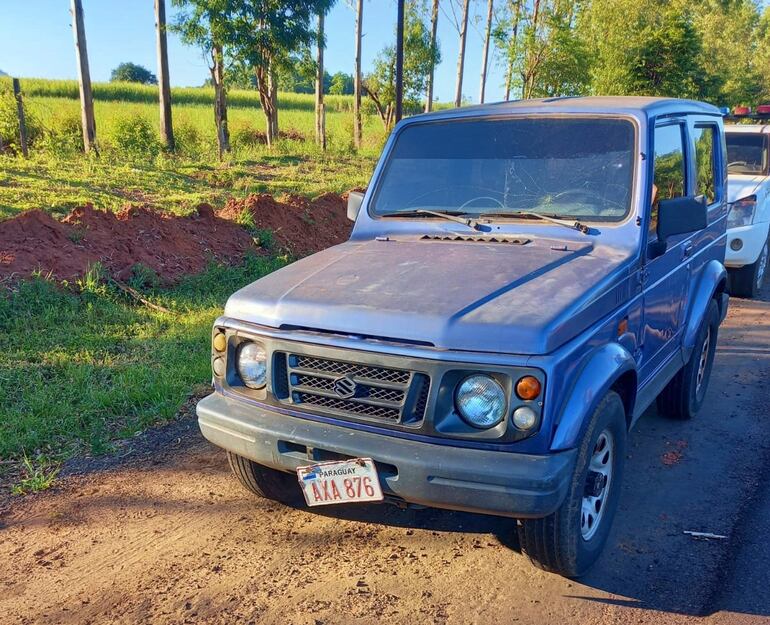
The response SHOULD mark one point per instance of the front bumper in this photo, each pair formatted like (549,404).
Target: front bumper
(441,476)
(753,237)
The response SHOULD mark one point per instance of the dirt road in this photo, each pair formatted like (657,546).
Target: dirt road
(169,537)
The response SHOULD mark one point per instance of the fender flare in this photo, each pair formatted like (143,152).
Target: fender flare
(713,280)
(602,369)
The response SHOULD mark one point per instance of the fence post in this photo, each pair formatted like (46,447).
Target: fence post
(20,113)
(84,78)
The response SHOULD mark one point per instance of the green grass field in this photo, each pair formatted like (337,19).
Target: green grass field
(82,365)
(132,168)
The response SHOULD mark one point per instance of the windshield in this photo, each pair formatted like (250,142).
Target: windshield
(746,153)
(564,167)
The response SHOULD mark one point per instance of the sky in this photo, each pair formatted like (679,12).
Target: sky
(36,41)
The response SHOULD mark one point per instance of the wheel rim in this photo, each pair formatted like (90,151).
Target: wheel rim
(703,361)
(597,487)
(762,266)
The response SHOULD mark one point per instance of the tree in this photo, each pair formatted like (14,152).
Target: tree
(341,84)
(263,35)
(164,92)
(645,47)
(207,24)
(358,77)
(461,57)
(131,72)
(485,55)
(506,37)
(433,45)
(419,55)
(320,113)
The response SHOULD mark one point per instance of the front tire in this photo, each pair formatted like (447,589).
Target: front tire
(263,481)
(570,540)
(684,394)
(748,280)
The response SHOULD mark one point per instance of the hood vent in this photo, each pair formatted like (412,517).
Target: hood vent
(474,239)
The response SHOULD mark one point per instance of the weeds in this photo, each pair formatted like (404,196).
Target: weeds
(36,477)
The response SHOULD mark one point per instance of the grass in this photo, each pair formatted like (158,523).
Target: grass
(83,365)
(57,177)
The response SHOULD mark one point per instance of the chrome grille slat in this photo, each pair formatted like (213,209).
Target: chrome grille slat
(396,396)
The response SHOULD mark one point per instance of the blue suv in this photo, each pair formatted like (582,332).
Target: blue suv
(522,281)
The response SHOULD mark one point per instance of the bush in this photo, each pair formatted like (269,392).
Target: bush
(136,136)
(244,134)
(64,135)
(188,139)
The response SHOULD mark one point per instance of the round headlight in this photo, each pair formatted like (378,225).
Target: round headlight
(480,400)
(524,418)
(252,364)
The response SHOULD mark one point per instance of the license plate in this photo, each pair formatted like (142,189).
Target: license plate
(344,481)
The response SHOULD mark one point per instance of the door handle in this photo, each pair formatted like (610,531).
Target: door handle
(687,249)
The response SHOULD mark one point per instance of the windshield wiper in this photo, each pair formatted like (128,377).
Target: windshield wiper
(574,225)
(460,219)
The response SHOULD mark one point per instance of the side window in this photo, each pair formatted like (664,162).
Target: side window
(669,176)
(705,163)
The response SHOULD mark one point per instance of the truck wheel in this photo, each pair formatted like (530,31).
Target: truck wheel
(748,280)
(264,481)
(684,394)
(570,540)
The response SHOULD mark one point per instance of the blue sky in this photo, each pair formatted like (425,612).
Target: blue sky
(36,41)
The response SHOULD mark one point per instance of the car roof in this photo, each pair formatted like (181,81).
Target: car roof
(637,105)
(748,128)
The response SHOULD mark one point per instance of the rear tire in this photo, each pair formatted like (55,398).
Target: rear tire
(264,481)
(566,542)
(684,394)
(747,281)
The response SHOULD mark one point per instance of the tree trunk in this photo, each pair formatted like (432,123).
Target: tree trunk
(268,99)
(528,86)
(164,87)
(21,118)
(516,12)
(273,85)
(320,114)
(461,57)
(433,31)
(84,78)
(220,100)
(485,55)
(400,61)
(357,79)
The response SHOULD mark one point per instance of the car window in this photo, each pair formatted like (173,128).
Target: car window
(705,162)
(669,176)
(746,153)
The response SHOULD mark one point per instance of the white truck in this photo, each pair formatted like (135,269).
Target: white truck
(748,195)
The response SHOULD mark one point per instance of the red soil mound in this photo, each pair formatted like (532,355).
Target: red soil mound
(171,246)
(300,226)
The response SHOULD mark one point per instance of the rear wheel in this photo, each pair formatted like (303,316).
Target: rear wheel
(748,280)
(570,540)
(264,481)
(684,394)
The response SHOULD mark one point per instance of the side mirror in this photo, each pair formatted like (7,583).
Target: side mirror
(355,198)
(681,215)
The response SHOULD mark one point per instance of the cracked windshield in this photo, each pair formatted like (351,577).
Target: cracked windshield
(557,167)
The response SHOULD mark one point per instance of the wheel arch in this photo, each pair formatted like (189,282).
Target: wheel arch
(609,367)
(712,284)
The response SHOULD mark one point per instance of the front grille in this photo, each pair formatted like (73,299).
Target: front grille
(396,396)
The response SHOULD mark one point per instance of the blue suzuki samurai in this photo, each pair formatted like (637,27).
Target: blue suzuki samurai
(522,281)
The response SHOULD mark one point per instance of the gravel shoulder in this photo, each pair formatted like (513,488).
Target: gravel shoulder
(161,533)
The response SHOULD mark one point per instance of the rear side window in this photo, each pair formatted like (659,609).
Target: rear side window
(669,177)
(705,161)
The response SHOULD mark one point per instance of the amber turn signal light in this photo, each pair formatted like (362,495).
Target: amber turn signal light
(220,342)
(528,387)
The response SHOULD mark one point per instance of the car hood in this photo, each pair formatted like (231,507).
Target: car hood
(474,296)
(741,185)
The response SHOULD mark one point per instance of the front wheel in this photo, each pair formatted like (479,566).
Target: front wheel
(570,540)
(263,481)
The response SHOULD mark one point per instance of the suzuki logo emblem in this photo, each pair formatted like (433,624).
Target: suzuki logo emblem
(345,387)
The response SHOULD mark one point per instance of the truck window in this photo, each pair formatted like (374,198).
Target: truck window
(566,167)
(669,177)
(705,162)
(746,153)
